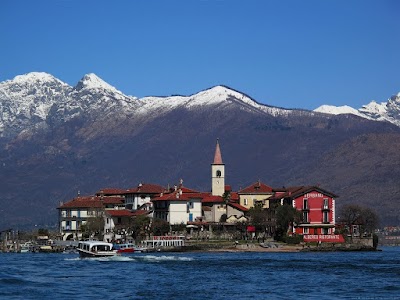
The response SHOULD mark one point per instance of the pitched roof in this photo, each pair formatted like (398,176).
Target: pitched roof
(297,191)
(113,200)
(208,198)
(177,196)
(145,188)
(110,191)
(257,188)
(119,213)
(238,206)
(234,197)
(92,201)
(83,202)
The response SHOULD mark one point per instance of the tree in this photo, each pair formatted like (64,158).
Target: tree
(93,227)
(140,227)
(286,215)
(364,217)
(258,218)
(159,227)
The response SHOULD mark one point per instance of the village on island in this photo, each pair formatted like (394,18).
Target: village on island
(150,217)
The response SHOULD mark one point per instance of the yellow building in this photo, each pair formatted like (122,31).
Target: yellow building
(256,194)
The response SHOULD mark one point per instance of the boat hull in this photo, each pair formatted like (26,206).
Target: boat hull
(84,253)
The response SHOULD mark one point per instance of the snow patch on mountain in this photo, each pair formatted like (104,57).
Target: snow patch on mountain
(92,81)
(337,110)
(385,111)
(34,78)
(218,95)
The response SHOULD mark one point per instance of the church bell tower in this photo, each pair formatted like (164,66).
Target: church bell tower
(217,173)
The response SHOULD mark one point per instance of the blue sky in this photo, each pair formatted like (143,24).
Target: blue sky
(287,53)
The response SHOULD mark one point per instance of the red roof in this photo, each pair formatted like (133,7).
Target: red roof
(187,190)
(208,198)
(119,213)
(83,202)
(92,201)
(234,196)
(297,191)
(177,196)
(257,188)
(110,191)
(145,188)
(113,200)
(238,206)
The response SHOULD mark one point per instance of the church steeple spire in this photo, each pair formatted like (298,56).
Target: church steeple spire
(217,173)
(217,155)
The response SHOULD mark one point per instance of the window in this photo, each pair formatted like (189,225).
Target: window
(326,217)
(305,204)
(245,201)
(326,204)
(305,230)
(219,173)
(324,230)
(305,217)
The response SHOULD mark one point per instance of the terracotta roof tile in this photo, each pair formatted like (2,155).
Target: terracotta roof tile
(83,202)
(119,213)
(238,206)
(110,191)
(257,188)
(145,188)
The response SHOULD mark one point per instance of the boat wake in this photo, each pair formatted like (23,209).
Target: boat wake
(122,258)
(165,258)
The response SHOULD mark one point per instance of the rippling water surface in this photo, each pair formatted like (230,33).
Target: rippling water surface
(337,275)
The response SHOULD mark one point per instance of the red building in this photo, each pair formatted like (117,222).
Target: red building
(316,205)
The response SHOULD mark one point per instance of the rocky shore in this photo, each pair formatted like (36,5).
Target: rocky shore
(271,247)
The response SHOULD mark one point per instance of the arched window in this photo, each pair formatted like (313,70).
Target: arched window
(218,173)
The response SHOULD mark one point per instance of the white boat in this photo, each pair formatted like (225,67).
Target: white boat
(26,247)
(95,249)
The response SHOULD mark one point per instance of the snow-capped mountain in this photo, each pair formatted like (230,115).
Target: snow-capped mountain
(36,100)
(385,111)
(219,95)
(27,99)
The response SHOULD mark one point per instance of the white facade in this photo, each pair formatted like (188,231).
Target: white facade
(71,220)
(218,179)
(136,200)
(184,211)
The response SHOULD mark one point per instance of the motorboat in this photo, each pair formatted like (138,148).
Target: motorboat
(125,248)
(129,248)
(95,249)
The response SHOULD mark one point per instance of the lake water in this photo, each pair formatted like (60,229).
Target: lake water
(336,275)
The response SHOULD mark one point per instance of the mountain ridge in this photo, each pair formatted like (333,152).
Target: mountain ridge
(92,138)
